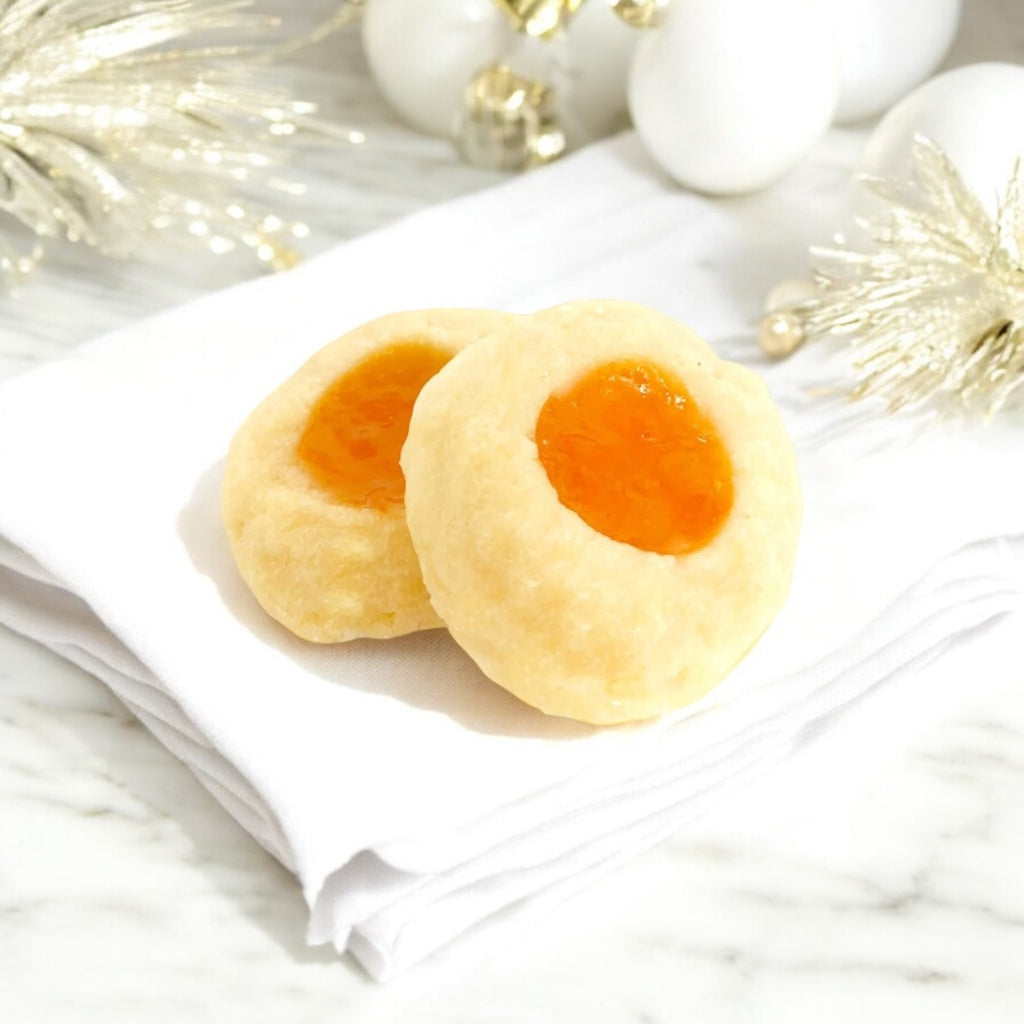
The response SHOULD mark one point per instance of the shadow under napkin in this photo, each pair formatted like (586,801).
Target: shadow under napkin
(430,671)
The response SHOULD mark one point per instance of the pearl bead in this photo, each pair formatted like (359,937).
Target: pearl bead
(780,331)
(780,334)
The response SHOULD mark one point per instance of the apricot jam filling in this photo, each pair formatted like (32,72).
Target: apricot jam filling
(631,453)
(356,430)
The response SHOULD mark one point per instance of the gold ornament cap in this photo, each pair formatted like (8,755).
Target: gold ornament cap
(539,18)
(508,122)
(640,13)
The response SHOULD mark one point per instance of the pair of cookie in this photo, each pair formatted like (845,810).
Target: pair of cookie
(602,512)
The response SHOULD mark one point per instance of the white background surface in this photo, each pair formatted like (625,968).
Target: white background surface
(126,894)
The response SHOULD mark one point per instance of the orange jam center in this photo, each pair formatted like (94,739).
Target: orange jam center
(630,452)
(357,428)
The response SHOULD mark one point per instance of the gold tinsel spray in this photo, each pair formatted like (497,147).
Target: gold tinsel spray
(932,304)
(121,122)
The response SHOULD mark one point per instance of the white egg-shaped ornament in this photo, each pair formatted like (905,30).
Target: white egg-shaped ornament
(729,95)
(972,113)
(886,48)
(423,53)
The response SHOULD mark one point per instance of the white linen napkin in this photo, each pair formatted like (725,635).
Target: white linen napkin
(417,802)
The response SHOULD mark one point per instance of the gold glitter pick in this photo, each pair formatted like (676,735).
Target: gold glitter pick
(508,121)
(934,309)
(539,18)
(114,130)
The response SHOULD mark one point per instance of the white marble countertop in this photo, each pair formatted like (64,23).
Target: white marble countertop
(126,894)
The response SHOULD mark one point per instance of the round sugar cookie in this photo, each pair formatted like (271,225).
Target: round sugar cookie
(605,513)
(313,496)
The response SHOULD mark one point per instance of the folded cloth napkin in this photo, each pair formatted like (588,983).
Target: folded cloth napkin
(417,802)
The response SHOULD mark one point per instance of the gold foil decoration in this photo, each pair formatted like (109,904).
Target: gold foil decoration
(640,13)
(539,18)
(509,122)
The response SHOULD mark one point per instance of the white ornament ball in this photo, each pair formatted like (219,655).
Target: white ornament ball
(887,47)
(423,53)
(729,95)
(973,113)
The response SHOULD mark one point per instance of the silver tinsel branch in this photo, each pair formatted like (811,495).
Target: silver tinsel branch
(934,306)
(122,121)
